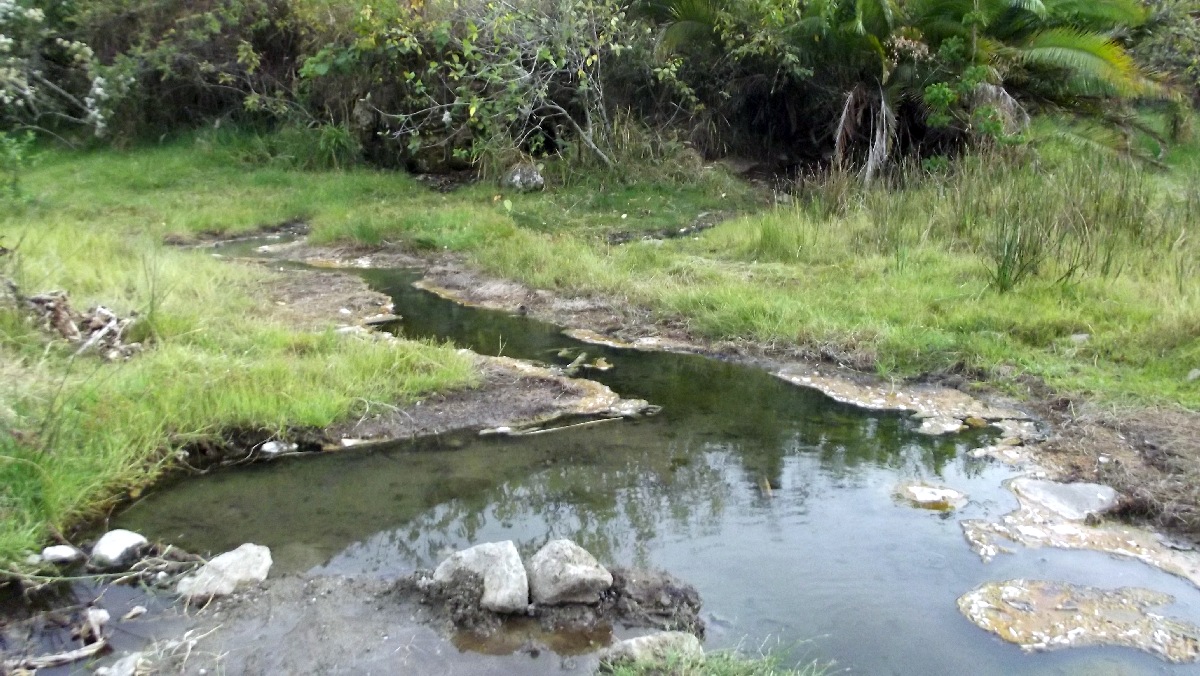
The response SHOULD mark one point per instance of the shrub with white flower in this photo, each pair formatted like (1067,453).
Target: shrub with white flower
(45,79)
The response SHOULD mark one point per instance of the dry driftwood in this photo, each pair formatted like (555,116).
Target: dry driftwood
(99,329)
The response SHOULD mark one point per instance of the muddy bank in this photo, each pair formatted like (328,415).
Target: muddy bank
(1150,455)
(511,396)
(363,625)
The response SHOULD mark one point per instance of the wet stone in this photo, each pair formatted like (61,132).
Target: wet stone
(117,548)
(938,498)
(223,575)
(1074,501)
(563,572)
(61,555)
(1039,615)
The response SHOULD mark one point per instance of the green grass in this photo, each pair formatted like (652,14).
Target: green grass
(715,664)
(77,434)
(906,278)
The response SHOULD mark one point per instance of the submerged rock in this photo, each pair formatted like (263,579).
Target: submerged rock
(654,648)
(117,548)
(1075,501)
(941,425)
(937,498)
(247,564)
(563,572)
(1039,615)
(60,555)
(505,584)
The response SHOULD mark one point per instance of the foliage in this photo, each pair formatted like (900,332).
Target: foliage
(873,78)
(46,78)
(14,160)
(1170,42)
(481,79)
(188,63)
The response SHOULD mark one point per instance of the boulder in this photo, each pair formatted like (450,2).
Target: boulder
(524,177)
(61,555)
(1074,501)
(563,572)
(247,564)
(654,648)
(505,584)
(117,548)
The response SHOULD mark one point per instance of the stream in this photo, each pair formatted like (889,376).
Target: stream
(776,502)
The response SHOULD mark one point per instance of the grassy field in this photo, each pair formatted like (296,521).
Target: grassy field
(997,267)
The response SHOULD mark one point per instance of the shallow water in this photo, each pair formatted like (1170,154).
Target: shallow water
(776,502)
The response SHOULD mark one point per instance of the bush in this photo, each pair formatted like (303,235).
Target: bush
(1171,43)
(47,80)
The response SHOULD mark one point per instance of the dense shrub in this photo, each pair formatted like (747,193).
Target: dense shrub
(47,80)
(437,84)
(1171,42)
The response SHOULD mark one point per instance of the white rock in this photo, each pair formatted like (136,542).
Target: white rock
(505,584)
(932,497)
(276,447)
(117,548)
(941,425)
(61,554)
(654,648)
(130,665)
(1073,501)
(563,572)
(1193,375)
(220,577)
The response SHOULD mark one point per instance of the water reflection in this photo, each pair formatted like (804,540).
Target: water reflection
(774,500)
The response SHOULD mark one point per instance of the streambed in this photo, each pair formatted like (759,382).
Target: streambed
(776,502)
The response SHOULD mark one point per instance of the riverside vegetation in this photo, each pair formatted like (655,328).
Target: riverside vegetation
(1005,189)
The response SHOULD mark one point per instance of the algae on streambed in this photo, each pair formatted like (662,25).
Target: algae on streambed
(774,501)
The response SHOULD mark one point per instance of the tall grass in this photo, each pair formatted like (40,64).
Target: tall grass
(1094,215)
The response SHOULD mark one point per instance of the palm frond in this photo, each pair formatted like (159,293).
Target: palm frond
(1098,15)
(1096,63)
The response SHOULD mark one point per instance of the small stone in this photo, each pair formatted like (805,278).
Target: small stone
(276,447)
(1080,338)
(976,422)
(1193,375)
(134,613)
(505,583)
(61,554)
(247,564)
(563,572)
(654,648)
(937,498)
(117,548)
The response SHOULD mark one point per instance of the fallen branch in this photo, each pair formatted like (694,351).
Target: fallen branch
(57,660)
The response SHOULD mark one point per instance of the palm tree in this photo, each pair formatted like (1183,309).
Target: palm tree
(860,68)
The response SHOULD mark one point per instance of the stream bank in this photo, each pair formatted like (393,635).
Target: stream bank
(783,479)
